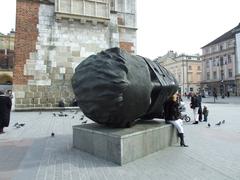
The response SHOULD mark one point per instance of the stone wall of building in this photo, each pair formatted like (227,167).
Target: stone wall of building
(54,47)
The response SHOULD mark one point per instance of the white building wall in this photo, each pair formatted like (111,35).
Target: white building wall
(237,36)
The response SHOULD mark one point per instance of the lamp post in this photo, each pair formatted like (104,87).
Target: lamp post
(183,76)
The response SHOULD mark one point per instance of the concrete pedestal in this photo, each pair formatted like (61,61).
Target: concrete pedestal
(124,145)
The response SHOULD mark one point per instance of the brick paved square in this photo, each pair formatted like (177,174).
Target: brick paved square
(30,152)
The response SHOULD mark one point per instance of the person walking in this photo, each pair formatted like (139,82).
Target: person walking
(5,108)
(195,106)
(172,115)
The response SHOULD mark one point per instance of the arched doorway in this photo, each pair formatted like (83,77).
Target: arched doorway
(5,81)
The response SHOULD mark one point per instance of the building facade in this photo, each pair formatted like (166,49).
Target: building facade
(221,64)
(54,36)
(186,69)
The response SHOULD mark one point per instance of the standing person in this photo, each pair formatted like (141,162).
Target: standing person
(228,94)
(215,94)
(199,97)
(195,106)
(5,108)
(10,94)
(172,114)
(179,98)
(205,113)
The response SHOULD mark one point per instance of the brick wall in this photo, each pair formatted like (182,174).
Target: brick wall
(25,38)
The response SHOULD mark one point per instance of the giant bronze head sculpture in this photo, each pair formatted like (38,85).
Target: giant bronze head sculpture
(116,88)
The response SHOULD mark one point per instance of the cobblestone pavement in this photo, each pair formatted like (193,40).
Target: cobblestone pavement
(30,152)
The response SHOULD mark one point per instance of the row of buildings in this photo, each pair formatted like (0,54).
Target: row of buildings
(217,70)
(221,64)
(187,69)
(53,36)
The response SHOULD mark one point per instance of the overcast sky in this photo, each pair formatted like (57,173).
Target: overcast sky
(183,26)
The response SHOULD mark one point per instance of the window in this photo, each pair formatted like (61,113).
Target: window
(229,58)
(230,74)
(213,49)
(221,47)
(207,63)
(190,67)
(214,62)
(113,5)
(214,75)
(199,68)
(190,78)
(222,74)
(229,43)
(208,75)
(88,9)
(179,78)
(221,61)
(198,76)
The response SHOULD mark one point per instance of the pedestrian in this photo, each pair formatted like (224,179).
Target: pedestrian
(215,94)
(179,98)
(199,97)
(172,115)
(195,106)
(9,93)
(5,108)
(205,113)
(228,94)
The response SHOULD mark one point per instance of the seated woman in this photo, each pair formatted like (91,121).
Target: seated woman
(172,115)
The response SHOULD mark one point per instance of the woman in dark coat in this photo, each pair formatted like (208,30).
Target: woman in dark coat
(5,108)
(172,115)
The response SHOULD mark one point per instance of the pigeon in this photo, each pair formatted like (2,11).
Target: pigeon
(16,124)
(223,121)
(22,124)
(219,123)
(52,134)
(209,125)
(54,114)
(82,117)
(72,117)
(84,122)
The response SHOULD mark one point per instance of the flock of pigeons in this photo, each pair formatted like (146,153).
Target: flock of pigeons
(18,125)
(217,124)
(60,114)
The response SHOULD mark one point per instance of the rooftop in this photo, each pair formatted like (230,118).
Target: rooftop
(228,35)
